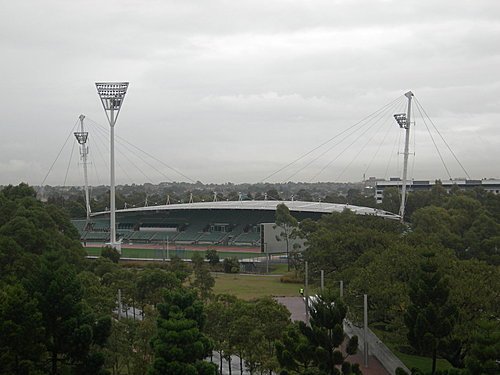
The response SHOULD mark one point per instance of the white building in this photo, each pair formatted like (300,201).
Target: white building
(490,185)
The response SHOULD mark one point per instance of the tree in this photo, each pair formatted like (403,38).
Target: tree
(21,331)
(321,340)
(203,280)
(337,240)
(273,320)
(180,346)
(197,260)
(212,257)
(287,225)
(72,331)
(485,350)
(391,200)
(430,317)
(129,350)
(110,253)
(295,352)
(152,282)
(220,315)
(303,195)
(231,265)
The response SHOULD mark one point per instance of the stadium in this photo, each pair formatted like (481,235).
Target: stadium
(244,225)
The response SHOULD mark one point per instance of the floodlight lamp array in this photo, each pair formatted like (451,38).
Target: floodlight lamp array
(112,94)
(81,137)
(401,120)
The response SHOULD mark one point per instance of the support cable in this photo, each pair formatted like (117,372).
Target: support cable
(148,154)
(139,157)
(69,162)
(414,151)
(433,141)
(381,143)
(353,131)
(98,139)
(446,143)
(367,142)
(328,140)
(101,154)
(397,142)
(59,154)
(348,146)
(130,161)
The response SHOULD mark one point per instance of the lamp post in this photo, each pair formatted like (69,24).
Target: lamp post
(112,95)
(404,122)
(82,137)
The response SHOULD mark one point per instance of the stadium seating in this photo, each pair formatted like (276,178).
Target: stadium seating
(191,227)
(212,237)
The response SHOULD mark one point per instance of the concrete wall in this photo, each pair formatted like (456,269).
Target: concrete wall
(270,233)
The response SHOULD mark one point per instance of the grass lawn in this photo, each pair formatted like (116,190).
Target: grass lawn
(278,269)
(159,254)
(422,363)
(250,286)
(410,361)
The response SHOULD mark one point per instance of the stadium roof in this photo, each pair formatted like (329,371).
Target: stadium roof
(268,205)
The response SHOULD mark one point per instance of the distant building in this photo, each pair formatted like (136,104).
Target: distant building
(490,185)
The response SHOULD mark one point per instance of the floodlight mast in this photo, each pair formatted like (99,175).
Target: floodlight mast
(82,137)
(404,121)
(112,95)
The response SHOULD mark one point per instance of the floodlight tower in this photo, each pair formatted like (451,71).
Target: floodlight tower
(82,137)
(404,122)
(112,95)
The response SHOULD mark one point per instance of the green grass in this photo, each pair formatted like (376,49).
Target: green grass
(422,363)
(159,254)
(278,269)
(410,360)
(249,286)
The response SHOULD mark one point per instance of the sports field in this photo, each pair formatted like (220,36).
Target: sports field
(253,286)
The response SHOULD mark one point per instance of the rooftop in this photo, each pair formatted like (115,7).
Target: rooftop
(269,205)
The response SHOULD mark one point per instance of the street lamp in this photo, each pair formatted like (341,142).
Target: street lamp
(112,95)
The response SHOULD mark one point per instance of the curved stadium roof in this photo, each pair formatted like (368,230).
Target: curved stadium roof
(268,205)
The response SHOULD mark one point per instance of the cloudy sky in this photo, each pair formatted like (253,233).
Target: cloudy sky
(235,90)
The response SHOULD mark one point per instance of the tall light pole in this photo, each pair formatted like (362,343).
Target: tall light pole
(404,122)
(112,95)
(82,137)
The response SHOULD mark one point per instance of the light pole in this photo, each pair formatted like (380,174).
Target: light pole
(82,137)
(112,95)
(404,122)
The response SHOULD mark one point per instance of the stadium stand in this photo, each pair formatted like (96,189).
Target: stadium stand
(221,223)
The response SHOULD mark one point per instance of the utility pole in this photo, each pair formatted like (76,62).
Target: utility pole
(341,288)
(404,121)
(322,280)
(267,257)
(112,95)
(365,329)
(120,308)
(82,137)
(306,292)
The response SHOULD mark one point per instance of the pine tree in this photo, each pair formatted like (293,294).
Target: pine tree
(320,341)
(179,345)
(430,317)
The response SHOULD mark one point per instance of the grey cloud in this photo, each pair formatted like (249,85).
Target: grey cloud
(226,90)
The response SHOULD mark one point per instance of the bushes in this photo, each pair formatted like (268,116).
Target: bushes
(231,265)
(291,278)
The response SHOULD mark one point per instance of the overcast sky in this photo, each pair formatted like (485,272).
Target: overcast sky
(234,90)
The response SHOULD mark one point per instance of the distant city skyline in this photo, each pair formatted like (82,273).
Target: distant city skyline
(234,91)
